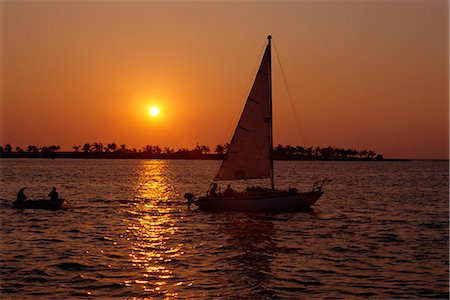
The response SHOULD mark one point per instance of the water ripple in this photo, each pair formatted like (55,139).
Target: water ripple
(381,231)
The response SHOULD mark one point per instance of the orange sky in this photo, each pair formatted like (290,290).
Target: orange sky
(363,74)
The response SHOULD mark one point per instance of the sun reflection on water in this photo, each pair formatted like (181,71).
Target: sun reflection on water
(151,230)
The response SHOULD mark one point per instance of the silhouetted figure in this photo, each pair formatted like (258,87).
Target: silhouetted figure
(213,190)
(21,196)
(190,199)
(229,191)
(53,195)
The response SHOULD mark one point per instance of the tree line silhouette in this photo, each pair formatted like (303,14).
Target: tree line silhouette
(112,150)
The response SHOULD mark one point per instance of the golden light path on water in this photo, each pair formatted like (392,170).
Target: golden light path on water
(381,232)
(152,229)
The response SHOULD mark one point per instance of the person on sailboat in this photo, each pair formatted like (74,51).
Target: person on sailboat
(53,195)
(21,196)
(228,191)
(213,190)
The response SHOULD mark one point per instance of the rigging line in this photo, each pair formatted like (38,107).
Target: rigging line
(295,111)
(240,105)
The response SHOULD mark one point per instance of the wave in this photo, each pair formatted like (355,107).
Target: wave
(72,266)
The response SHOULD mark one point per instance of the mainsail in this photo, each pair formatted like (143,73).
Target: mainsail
(249,153)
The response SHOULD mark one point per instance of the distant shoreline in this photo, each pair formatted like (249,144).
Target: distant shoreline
(98,150)
(191,155)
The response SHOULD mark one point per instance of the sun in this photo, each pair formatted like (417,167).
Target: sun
(153,111)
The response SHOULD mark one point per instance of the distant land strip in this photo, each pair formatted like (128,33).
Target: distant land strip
(112,151)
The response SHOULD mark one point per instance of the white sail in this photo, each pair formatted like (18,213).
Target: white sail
(248,155)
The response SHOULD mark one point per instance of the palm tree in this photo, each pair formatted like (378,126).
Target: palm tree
(54,148)
(44,149)
(148,149)
(219,149)
(123,148)
(326,152)
(157,149)
(87,148)
(97,147)
(289,150)
(50,149)
(32,148)
(111,147)
(203,149)
(168,150)
(300,150)
(363,153)
(76,148)
(279,149)
(379,157)
(352,152)
(8,148)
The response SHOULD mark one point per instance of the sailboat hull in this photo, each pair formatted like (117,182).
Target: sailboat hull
(274,202)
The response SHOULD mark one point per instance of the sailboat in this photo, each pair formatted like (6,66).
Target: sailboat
(249,156)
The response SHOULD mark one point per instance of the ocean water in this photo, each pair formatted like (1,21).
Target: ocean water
(380,231)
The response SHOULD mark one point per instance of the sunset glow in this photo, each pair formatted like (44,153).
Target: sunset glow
(363,74)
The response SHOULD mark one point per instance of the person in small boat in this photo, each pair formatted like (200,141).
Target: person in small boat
(21,197)
(53,195)
(190,199)
(228,191)
(213,190)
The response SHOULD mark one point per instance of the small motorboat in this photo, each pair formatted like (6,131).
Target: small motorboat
(42,204)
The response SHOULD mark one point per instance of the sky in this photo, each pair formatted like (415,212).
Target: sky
(362,74)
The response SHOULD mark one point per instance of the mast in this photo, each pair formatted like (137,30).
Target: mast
(269,37)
